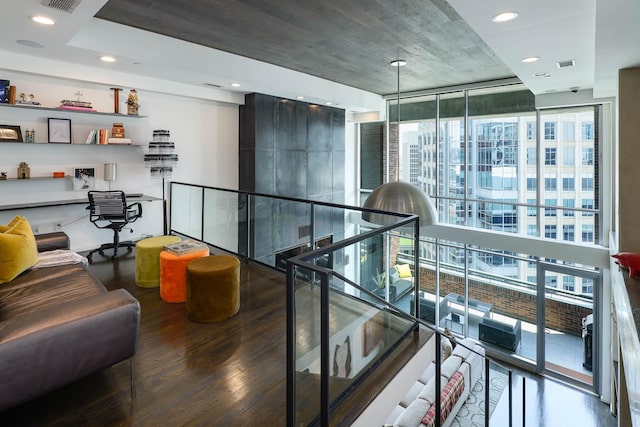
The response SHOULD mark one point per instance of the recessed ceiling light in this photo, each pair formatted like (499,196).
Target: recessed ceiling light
(530,59)
(505,17)
(566,63)
(398,63)
(107,58)
(542,75)
(29,43)
(43,20)
(235,84)
(329,103)
(301,97)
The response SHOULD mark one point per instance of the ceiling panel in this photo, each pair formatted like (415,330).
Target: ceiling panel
(350,42)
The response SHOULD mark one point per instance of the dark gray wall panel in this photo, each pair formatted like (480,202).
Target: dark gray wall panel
(319,174)
(294,149)
(291,173)
(320,132)
(265,175)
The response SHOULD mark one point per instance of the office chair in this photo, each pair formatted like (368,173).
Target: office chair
(109,209)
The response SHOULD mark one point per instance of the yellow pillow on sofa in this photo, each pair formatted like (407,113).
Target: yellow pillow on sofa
(404,271)
(18,249)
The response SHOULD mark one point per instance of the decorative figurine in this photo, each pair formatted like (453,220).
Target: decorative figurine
(24,171)
(132,103)
(23,99)
(3,176)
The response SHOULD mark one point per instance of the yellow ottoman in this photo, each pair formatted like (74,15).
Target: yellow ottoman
(148,260)
(173,274)
(213,288)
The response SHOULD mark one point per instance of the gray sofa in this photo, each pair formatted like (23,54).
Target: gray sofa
(59,324)
(398,287)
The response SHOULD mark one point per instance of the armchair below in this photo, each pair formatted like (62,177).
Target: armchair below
(502,331)
(428,308)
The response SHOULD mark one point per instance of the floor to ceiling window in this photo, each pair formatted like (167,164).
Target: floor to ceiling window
(491,161)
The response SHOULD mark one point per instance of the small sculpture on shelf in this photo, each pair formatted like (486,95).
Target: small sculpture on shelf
(23,99)
(3,176)
(24,171)
(132,103)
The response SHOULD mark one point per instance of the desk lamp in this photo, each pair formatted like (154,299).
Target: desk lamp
(110,173)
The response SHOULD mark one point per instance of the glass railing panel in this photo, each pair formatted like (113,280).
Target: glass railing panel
(360,333)
(186,210)
(223,217)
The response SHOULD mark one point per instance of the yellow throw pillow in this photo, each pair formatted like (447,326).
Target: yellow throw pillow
(404,271)
(18,249)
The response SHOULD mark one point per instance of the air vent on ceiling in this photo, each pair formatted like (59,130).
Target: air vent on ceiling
(565,64)
(212,85)
(64,5)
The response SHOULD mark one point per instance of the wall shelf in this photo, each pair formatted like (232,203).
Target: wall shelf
(63,111)
(36,178)
(49,144)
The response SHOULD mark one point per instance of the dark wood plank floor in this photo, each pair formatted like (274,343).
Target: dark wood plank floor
(228,373)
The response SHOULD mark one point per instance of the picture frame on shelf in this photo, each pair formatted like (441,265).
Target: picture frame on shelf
(10,133)
(84,179)
(59,131)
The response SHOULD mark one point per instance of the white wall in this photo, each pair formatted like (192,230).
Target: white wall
(205,133)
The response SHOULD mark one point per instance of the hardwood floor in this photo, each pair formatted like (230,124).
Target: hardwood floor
(228,373)
(186,373)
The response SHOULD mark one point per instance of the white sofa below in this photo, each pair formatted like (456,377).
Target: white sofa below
(460,372)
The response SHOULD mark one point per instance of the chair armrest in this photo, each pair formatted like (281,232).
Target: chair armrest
(134,211)
(52,241)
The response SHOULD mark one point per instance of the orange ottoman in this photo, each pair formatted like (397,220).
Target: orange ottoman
(213,288)
(173,274)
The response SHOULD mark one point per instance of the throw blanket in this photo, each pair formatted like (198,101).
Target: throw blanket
(59,257)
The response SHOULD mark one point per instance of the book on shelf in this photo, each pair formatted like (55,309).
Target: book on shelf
(68,107)
(91,138)
(185,247)
(103,136)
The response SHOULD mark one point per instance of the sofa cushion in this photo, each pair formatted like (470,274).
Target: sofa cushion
(428,373)
(428,392)
(450,366)
(448,399)
(38,289)
(412,394)
(18,249)
(404,271)
(463,350)
(412,416)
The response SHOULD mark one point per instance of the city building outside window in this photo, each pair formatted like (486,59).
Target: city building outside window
(568,156)
(568,232)
(568,183)
(587,156)
(587,131)
(549,156)
(568,131)
(550,183)
(568,203)
(549,131)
